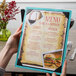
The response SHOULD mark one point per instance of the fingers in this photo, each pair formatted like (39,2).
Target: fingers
(47,74)
(17,33)
(19,28)
(54,74)
(64,68)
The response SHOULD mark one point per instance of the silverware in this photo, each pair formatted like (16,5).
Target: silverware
(69,47)
(73,55)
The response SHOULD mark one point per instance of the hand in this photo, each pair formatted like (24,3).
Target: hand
(13,41)
(10,48)
(63,71)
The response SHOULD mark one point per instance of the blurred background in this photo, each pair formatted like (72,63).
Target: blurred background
(68,6)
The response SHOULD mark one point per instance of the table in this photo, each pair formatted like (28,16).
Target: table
(71,65)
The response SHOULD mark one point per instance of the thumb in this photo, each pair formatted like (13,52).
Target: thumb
(47,74)
(54,74)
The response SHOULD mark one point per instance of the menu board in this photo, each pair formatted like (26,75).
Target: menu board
(43,40)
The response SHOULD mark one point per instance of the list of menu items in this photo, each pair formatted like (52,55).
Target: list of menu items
(46,34)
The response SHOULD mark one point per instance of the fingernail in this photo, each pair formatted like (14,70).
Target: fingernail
(47,74)
(54,74)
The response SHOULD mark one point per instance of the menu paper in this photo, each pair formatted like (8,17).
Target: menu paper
(42,44)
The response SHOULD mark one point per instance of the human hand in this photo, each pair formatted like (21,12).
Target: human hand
(13,41)
(63,71)
(10,48)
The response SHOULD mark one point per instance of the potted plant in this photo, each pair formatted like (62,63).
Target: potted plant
(7,13)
